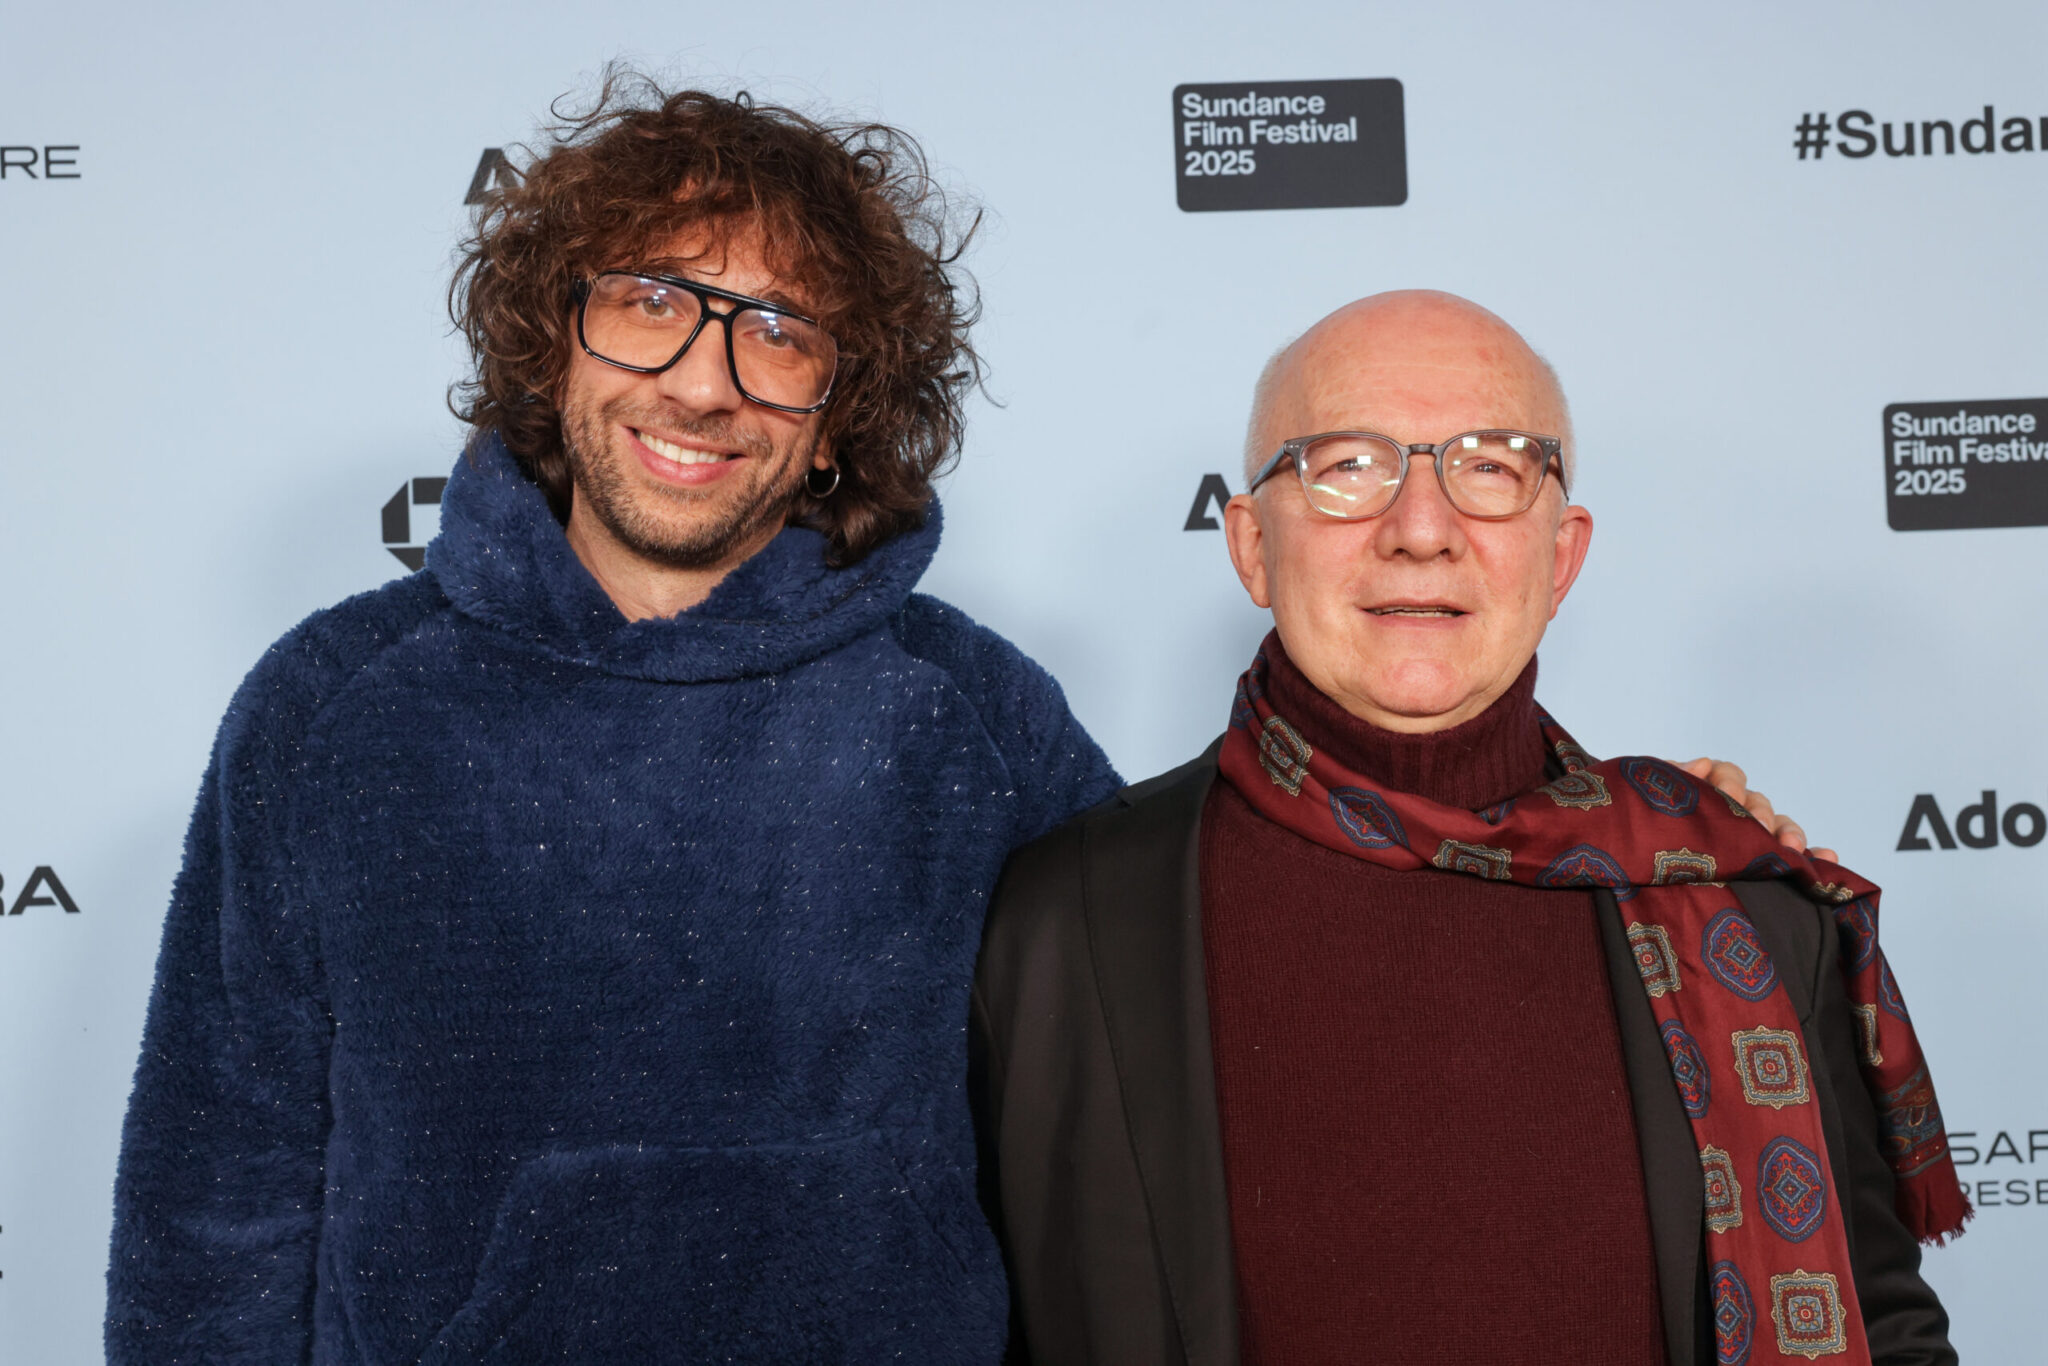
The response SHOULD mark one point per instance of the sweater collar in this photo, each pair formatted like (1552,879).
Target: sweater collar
(1473,764)
(502,558)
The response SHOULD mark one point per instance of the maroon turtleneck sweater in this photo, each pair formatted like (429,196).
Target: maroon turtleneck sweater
(1427,1135)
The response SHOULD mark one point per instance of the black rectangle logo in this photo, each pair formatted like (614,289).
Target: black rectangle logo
(1968,463)
(1289,145)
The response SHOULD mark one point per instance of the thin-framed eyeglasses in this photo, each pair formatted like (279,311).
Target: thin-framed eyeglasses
(646,322)
(1491,475)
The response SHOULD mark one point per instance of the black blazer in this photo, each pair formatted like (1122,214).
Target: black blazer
(1095,1093)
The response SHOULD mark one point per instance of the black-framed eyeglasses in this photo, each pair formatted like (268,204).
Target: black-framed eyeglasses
(1491,475)
(645,322)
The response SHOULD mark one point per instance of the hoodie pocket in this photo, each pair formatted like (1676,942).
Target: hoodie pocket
(784,1254)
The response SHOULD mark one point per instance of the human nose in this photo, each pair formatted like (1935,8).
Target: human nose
(701,380)
(1421,523)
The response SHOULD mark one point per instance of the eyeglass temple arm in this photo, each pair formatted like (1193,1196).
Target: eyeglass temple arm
(1284,456)
(1554,450)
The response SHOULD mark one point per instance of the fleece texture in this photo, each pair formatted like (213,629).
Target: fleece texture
(544,987)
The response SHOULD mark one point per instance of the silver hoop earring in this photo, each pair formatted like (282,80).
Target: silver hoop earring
(811,481)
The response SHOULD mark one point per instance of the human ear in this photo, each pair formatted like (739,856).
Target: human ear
(1246,539)
(1574,536)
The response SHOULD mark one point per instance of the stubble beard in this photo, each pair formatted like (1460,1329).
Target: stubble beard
(634,514)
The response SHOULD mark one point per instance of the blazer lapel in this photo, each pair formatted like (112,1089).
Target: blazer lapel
(1672,1183)
(1144,914)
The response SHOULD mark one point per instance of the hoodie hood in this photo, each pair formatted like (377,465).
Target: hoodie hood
(503,559)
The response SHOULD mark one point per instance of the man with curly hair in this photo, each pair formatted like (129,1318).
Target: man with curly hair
(572,952)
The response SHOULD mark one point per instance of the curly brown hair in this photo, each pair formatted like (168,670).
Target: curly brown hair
(849,211)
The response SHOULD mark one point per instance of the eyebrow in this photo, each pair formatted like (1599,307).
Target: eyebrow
(676,265)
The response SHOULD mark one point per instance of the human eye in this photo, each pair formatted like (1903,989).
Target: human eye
(1494,467)
(652,303)
(1349,458)
(768,330)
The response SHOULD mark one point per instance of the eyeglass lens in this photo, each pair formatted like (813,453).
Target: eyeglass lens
(1486,474)
(641,322)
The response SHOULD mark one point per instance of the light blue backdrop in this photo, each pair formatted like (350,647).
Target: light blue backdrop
(225,347)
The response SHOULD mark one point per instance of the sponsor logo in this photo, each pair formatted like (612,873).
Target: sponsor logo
(1993,1185)
(48,162)
(1858,133)
(42,887)
(1977,826)
(1289,145)
(1966,463)
(398,538)
(1213,493)
(493,172)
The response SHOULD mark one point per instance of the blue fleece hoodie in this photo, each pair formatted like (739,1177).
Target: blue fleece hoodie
(541,987)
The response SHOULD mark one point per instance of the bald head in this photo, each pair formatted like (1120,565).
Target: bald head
(1407,354)
(1418,616)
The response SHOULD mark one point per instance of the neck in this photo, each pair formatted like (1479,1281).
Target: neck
(1401,723)
(1474,763)
(640,587)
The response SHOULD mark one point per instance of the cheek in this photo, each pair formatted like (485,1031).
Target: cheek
(1310,575)
(1518,573)
(588,386)
(805,434)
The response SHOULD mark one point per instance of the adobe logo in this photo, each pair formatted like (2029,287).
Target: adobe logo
(494,171)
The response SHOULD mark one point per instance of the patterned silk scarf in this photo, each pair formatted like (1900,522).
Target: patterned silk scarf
(1667,846)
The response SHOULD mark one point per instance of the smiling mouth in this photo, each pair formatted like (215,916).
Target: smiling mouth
(1415,611)
(681,455)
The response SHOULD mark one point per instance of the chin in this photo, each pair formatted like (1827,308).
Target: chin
(1422,707)
(1419,693)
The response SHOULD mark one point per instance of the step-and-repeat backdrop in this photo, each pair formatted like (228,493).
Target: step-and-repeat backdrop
(1788,261)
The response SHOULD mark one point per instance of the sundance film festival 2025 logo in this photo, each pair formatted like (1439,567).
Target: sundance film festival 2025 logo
(399,528)
(42,887)
(1966,463)
(1857,133)
(1289,145)
(40,163)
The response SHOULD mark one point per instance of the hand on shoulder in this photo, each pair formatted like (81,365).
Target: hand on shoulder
(1733,781)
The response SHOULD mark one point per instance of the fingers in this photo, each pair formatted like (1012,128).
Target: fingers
(1787,831)
(1730,778)
(1784,829)
(1830,855)
(1724,775)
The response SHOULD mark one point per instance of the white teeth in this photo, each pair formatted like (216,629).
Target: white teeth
(682,455)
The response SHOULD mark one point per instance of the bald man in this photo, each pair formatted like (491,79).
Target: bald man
(1397,1028)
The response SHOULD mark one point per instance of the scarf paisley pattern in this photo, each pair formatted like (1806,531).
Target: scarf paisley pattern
(1667,846)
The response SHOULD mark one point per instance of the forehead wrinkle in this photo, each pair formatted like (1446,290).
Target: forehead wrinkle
(1493,399)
